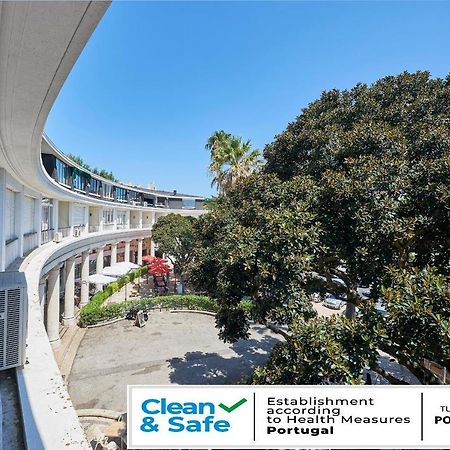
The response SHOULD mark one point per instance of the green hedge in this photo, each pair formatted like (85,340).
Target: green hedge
(95,312)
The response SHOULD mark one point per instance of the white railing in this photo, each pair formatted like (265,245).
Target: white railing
(108,227)
(12,251)
(30,242)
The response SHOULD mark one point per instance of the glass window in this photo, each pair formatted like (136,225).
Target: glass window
(28,214)
(62,172)
(95,186)
(46,219)
(188,203)
(121,194)
(108,216)
(121,217)
(108,190)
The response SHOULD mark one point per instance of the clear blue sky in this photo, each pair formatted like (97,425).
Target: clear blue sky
(157,78)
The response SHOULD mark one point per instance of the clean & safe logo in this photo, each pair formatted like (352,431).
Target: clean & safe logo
(159,413)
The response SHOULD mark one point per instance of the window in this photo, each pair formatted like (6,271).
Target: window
(121,218)
(28,214)
(79,180)
(108,216)
(62,172)
(78,215)
(108,190)
(188,203)
(121,194)
(46,220)
(10,226)
(95,187)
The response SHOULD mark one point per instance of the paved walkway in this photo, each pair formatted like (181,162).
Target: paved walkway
(173,348)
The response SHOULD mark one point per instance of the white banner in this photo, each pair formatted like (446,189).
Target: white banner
(178,417)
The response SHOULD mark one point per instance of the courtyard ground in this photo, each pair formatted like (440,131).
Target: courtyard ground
(173,348)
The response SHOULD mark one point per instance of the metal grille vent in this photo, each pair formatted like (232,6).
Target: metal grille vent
(12,357)
(12,320)
(2,327)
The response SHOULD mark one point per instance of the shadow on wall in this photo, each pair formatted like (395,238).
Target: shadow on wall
(211,368)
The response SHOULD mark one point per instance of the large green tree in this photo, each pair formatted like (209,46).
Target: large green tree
(355,192)
(174,236)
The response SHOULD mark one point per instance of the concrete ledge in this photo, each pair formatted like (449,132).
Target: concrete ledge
(103,324)
(49,418)
(193,311)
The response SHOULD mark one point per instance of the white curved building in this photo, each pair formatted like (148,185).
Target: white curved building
(58,221)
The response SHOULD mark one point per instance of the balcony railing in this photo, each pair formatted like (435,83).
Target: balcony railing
(47,235)
(109,226)
(11,251)
(94,228)
(30,241)
(65,231)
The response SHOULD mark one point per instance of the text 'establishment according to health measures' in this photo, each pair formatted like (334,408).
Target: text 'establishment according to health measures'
(288,417)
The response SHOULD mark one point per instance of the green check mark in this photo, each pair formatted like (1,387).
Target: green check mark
(231,408)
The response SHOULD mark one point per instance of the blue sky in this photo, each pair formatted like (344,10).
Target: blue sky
(157,78)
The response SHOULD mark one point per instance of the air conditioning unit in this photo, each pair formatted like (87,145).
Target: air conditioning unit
(145,203)
(76,232)
(58,237)
(13,319)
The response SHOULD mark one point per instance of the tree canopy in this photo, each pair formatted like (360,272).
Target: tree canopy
(355,192)
(232,160)
(103,173)
(174,235)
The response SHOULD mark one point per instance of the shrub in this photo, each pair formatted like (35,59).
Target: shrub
(95,312)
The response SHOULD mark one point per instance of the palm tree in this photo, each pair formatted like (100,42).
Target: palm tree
(232,160)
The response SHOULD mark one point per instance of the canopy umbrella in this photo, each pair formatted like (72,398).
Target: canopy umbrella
(100,279)
(119,269)
(148,258)
(159,267)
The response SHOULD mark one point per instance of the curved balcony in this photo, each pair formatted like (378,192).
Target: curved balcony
(74,178)
(49,419)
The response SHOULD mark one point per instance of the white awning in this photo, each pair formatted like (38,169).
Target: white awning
(97,278)
(119,269)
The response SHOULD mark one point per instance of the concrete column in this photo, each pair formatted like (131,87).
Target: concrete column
(152,247)
(100,219)
(127,220)
(115,219)
(38,218)
(19,212)
(2,219)
(86,220)
(71,225)
(55,212)
(139,252)
(127,251)
(139,219)
(69,289)
(153,219)
(84,278)
(99,266)
(113,253)
(53,307)
(42,296)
